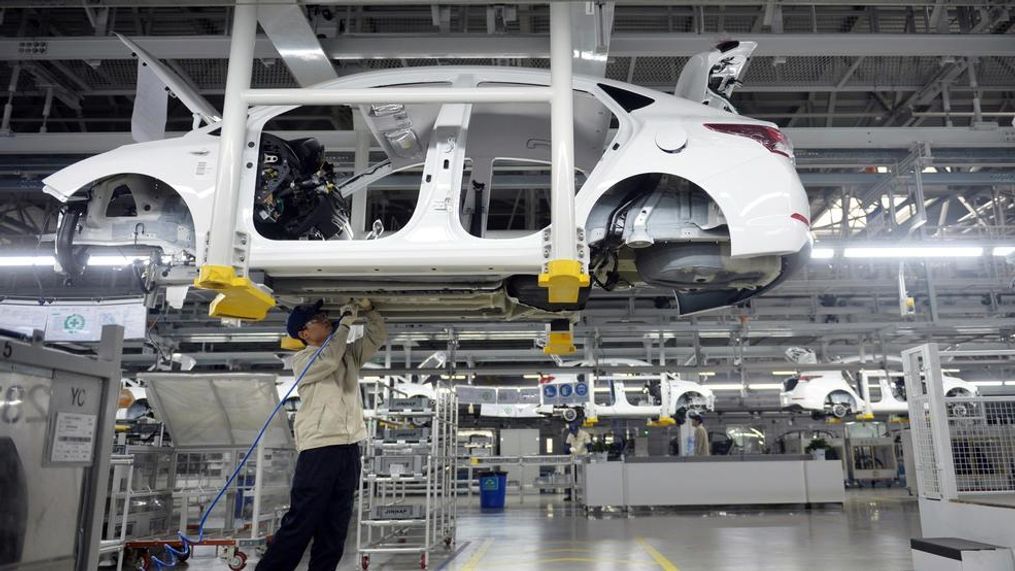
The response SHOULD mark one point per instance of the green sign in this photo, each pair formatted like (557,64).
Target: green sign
(74,322)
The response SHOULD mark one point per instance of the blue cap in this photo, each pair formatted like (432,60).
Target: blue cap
(299,317)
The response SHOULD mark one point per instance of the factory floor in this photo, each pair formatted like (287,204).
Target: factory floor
(870,532)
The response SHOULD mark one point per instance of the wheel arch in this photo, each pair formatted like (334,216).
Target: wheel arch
(129,208)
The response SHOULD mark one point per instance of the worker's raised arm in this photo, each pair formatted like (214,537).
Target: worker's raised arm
(329,360)
(374,336)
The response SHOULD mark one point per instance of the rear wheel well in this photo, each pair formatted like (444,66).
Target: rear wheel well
(629,191)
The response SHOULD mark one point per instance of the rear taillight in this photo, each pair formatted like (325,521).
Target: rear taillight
(804,378)
(770,137)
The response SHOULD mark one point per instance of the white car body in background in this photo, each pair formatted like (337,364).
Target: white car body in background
(832,392)
(674,393)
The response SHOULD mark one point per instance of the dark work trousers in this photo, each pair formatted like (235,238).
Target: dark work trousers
(320,507)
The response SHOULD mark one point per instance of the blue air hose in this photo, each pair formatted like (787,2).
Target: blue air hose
(186,541)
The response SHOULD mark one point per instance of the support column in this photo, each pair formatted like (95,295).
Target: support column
(231,139)
(225,259)
(361,160)
(563,274)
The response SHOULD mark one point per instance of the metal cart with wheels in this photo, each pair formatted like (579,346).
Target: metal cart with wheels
(408,500)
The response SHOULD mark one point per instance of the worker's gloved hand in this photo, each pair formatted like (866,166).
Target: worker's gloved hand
(348,313)
(365,304)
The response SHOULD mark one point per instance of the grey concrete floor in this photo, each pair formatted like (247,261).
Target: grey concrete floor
(870,532)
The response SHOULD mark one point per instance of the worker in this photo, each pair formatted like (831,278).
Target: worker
(328,427)
(578,441)
(701,445)
(681,419)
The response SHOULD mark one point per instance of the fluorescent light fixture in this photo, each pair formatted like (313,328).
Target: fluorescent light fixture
(914,252)
(117,260)
(950,370)
(784,373)
(765,386)
(114,260)
(706,374)
(12,261)
(455,377)
(723,386)
(988,383)
(822,253)
(1003,250)
(532,376)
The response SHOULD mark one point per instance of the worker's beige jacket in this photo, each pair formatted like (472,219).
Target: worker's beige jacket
(331,409)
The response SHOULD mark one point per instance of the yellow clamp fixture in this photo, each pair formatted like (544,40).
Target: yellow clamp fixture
(560,338)
(865,416)
(292,344)
(563,279)
(238,298)
(662,421)
(589,422)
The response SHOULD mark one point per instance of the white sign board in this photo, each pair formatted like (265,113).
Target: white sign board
(73,438)
(24,319)
(78,322)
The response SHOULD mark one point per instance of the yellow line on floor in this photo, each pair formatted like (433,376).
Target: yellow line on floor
(663,562)
(473,561)
(528,562)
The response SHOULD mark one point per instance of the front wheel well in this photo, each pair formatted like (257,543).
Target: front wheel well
(124,210)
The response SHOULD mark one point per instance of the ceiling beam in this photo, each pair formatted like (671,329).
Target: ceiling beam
(474,46)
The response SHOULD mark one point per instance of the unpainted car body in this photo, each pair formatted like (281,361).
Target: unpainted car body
(832,392)
(671,193)
(660,395)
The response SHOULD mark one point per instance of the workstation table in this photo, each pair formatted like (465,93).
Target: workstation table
(712,480)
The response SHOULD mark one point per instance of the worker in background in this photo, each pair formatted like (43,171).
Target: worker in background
(578,440)
(681,419)
(701,447)
(328,427)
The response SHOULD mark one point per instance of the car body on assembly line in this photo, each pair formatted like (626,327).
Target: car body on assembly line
(679,192)
(622,395)
(834,392)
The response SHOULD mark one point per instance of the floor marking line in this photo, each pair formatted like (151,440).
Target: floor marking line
(458,551)
(663,562)
(516,563)
(478,555)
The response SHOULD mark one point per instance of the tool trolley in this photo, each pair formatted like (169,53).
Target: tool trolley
(212,419)
(407,486)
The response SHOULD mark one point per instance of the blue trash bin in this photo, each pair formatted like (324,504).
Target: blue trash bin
(492,490)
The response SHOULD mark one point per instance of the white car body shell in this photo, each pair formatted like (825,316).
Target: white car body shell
(674,393)
(758,192)
(813,394)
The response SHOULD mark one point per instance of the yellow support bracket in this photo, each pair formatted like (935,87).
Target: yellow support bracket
(238,298)
(559,343)
(292,344)
(563,280)
(663,421)
(833,420)
(590,422)
(865,416)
